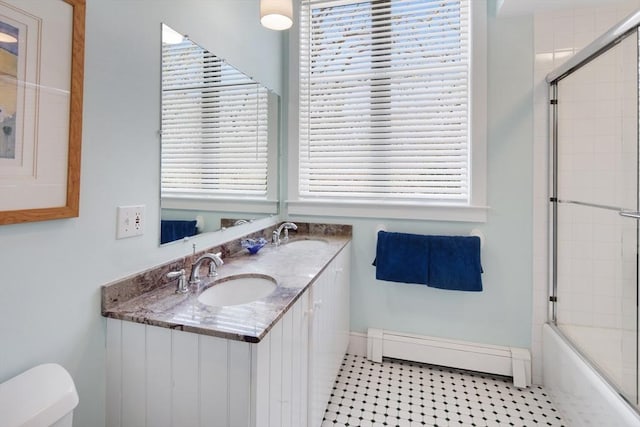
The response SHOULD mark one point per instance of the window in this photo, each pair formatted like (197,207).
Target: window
(215,133)
(385,113)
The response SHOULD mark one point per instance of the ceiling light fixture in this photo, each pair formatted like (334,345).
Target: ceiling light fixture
(7,38)
(276,14)
(171,36)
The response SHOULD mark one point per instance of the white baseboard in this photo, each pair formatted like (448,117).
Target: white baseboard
(357,344)
(508,361)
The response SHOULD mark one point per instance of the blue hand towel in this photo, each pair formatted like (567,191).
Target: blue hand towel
(444,262)
(171,230)
(454,263)
(402,257)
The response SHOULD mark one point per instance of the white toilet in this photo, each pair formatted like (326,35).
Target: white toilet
(44,396)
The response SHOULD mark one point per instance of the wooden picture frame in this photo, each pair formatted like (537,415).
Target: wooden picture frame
(29,191)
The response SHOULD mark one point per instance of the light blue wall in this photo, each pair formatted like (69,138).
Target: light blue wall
(502,313)
(51,272)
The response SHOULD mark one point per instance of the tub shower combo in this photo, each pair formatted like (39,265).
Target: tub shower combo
(591,342)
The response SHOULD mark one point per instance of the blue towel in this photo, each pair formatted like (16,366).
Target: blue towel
(171,230)
(454,263)
(444,262)
(402,257)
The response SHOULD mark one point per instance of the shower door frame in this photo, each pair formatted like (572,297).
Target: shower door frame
(601,45)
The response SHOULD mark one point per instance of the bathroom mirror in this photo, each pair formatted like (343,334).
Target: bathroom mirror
(219,143)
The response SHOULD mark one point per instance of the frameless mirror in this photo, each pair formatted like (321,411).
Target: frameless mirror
(219,140)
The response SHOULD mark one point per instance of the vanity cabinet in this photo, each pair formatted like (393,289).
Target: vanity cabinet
(160,377)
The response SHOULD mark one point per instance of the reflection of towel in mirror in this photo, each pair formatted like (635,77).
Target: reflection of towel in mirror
(171,230)
(445,262)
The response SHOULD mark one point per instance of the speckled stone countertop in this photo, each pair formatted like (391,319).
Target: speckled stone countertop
(294,265)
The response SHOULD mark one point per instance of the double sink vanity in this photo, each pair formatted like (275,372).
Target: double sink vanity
(258,344)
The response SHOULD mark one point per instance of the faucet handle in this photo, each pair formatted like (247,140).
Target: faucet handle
(182,280)
(289,226)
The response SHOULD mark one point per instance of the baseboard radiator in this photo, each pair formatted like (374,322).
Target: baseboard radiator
(507,361)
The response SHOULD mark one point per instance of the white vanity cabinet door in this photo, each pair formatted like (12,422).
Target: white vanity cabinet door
(329,332)
(158,377)
(280,371)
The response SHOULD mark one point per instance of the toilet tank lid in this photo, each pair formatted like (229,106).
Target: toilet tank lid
(37,397)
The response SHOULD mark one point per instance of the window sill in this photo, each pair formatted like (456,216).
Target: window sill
(221,204)
(388,210)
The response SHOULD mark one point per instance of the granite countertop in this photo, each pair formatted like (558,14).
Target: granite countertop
(295,266)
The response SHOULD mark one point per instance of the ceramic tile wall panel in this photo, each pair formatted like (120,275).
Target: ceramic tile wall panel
(558,35)
(598,276)
(597,130)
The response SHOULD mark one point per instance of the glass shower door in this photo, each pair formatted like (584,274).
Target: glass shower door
(596,248)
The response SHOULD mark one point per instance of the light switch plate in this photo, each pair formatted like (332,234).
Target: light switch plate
(130,221)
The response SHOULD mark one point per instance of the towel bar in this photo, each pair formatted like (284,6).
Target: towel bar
(475,232)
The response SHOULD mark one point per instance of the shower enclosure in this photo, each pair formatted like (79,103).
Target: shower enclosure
(595,206)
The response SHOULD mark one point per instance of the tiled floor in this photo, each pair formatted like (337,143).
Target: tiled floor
(397,393)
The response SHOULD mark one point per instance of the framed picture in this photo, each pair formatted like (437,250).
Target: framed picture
(41,80)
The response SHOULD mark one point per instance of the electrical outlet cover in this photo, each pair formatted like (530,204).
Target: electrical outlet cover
(130,221)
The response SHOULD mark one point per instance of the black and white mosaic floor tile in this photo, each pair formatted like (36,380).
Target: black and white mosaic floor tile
(406,394)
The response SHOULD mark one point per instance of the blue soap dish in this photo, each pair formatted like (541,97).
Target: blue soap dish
(253,245)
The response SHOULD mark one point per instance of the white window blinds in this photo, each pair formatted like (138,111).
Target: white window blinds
(214,127)
(384,100)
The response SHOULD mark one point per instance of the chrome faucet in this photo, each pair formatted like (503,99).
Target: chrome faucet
(215,261)
(286,226)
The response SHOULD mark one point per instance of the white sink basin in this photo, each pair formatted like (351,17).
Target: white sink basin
(236,290)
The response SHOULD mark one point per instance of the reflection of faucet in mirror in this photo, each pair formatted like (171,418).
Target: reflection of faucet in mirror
(286,226)
(219,139)
(215,260)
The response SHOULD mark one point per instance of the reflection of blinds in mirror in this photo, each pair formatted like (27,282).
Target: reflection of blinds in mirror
(214,127)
